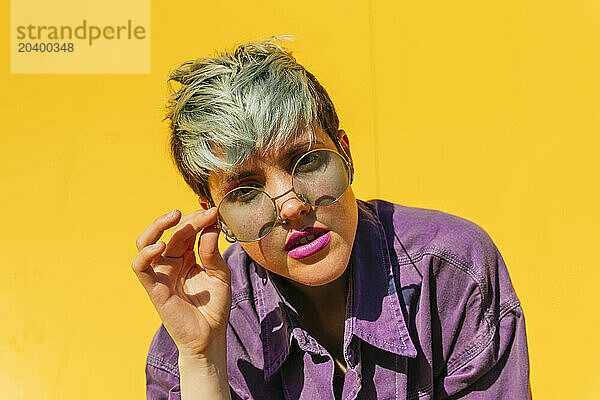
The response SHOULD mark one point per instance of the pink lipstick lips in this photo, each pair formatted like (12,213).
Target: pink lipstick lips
(307,242)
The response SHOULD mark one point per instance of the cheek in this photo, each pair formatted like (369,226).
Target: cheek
(266,250)
(342,211)
(348,215)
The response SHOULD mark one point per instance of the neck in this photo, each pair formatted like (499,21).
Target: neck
(322,310)
(321,297)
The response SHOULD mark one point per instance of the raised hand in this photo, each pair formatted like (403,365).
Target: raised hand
(193,301)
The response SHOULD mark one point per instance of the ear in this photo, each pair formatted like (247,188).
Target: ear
(345,142)
(203,203)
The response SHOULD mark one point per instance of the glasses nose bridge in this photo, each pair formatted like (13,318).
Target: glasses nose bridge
(283,194)
(279,209)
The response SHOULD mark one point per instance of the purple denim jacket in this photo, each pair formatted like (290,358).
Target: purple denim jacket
(431,314)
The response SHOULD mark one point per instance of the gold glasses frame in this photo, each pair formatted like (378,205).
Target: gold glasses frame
(348,164)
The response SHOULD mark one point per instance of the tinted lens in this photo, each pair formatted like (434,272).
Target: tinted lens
(321,177)
(247,214)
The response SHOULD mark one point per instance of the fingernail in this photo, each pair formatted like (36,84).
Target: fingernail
(212,211)
(172,213)
(155,246)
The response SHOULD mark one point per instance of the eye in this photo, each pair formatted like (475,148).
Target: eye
(245,193)
(310,162)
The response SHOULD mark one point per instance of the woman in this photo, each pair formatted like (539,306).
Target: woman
(322,296)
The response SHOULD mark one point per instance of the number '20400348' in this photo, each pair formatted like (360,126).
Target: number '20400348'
(45,47)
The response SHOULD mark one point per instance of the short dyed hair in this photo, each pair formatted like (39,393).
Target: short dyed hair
(230,107)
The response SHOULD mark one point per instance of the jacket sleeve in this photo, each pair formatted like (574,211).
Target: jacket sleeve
(162,369)
(163,385)
(483,328)
(500,371)
(160,383)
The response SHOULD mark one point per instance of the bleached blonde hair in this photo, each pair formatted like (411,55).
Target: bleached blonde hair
(231,107)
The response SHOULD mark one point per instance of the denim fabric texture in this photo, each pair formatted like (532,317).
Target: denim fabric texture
(431,313)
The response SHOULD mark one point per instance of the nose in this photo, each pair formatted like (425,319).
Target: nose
(291,207)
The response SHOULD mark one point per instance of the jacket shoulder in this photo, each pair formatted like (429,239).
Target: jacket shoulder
(413,233)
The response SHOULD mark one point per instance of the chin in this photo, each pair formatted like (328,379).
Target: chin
(322,282)
(320,272)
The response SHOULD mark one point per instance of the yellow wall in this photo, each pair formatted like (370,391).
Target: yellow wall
(488,110)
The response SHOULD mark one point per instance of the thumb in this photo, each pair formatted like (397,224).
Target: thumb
(210,257)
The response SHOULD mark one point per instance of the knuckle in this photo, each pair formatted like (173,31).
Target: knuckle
(207,252)
(134,264)
(143,256)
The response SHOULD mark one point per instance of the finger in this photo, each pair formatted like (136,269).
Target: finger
(210,257)
(155,230)
(179,241)
(189,263)
(189,243)
(141,264)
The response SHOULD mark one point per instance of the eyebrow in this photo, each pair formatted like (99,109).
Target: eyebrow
(287,153)
(238,176)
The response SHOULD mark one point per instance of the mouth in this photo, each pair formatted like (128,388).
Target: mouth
(307,242)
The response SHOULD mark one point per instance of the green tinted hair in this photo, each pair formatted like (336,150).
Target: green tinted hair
(228,108)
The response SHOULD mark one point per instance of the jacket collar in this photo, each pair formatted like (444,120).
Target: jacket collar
(374,312)
(279,320)
(376,315)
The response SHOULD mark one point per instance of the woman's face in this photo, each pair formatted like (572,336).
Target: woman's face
(325,257)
